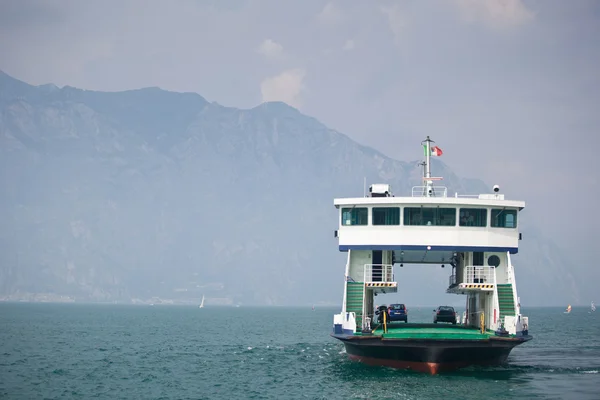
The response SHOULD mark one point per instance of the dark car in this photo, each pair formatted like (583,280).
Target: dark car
(381,310)
(444,314)
(398,312)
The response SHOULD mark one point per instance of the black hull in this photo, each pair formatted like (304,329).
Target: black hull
(429,355)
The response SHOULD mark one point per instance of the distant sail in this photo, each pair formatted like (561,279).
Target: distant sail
(593,308)
(568,309)
(202,303)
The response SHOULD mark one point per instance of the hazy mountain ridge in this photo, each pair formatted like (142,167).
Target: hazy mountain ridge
(114,196)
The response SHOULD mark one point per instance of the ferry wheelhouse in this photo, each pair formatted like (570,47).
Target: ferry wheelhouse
(475,235)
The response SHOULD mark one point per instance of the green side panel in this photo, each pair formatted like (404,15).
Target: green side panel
(354,300)
(506,300)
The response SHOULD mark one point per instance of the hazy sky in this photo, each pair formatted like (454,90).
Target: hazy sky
(509,89)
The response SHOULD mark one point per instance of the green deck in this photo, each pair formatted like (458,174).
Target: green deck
(429,331)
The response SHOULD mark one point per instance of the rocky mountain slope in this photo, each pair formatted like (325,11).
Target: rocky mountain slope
(150,194)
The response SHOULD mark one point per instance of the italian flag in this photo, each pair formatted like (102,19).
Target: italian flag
(435,151)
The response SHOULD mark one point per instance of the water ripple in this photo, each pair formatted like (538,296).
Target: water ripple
(113,352)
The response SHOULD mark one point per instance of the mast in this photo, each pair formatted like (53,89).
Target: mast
(427,167)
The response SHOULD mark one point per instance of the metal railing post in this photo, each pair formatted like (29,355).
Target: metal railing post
(384,321)
(482,321)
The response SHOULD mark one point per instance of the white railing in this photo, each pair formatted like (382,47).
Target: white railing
(479,274)
(436,191)
(509,274)
(379,273)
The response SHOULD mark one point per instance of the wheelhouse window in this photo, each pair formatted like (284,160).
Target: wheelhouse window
(472,217)
(503,218)
(386,215)
(355,216)
(429,216)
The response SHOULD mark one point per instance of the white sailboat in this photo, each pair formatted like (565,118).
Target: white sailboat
(592,307)
(201,303)
(568,310)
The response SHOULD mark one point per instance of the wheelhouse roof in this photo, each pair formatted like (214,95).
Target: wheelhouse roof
(432,201)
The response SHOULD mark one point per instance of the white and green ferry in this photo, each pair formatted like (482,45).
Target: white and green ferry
(474,235)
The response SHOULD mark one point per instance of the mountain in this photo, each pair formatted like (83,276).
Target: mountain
(149,194)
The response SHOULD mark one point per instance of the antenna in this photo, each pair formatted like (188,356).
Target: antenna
(422,164)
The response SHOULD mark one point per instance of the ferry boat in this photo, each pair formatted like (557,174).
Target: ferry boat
(475,235)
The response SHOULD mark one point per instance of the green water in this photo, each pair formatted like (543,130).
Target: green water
(53,351)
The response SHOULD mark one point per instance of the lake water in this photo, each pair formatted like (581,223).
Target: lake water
(72,351)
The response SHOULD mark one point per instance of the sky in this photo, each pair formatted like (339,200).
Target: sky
(509,89)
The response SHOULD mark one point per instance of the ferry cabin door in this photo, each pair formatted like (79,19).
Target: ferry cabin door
(477,262)
(473,314)
(377,261)
(476,300)
(369,306)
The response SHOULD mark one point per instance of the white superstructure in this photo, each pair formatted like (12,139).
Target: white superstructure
(474,235)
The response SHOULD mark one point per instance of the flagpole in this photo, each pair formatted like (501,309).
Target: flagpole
(428,158)
(429,182)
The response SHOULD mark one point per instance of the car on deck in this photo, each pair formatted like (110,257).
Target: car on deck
(379,313)
(444,314)
(398,312)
